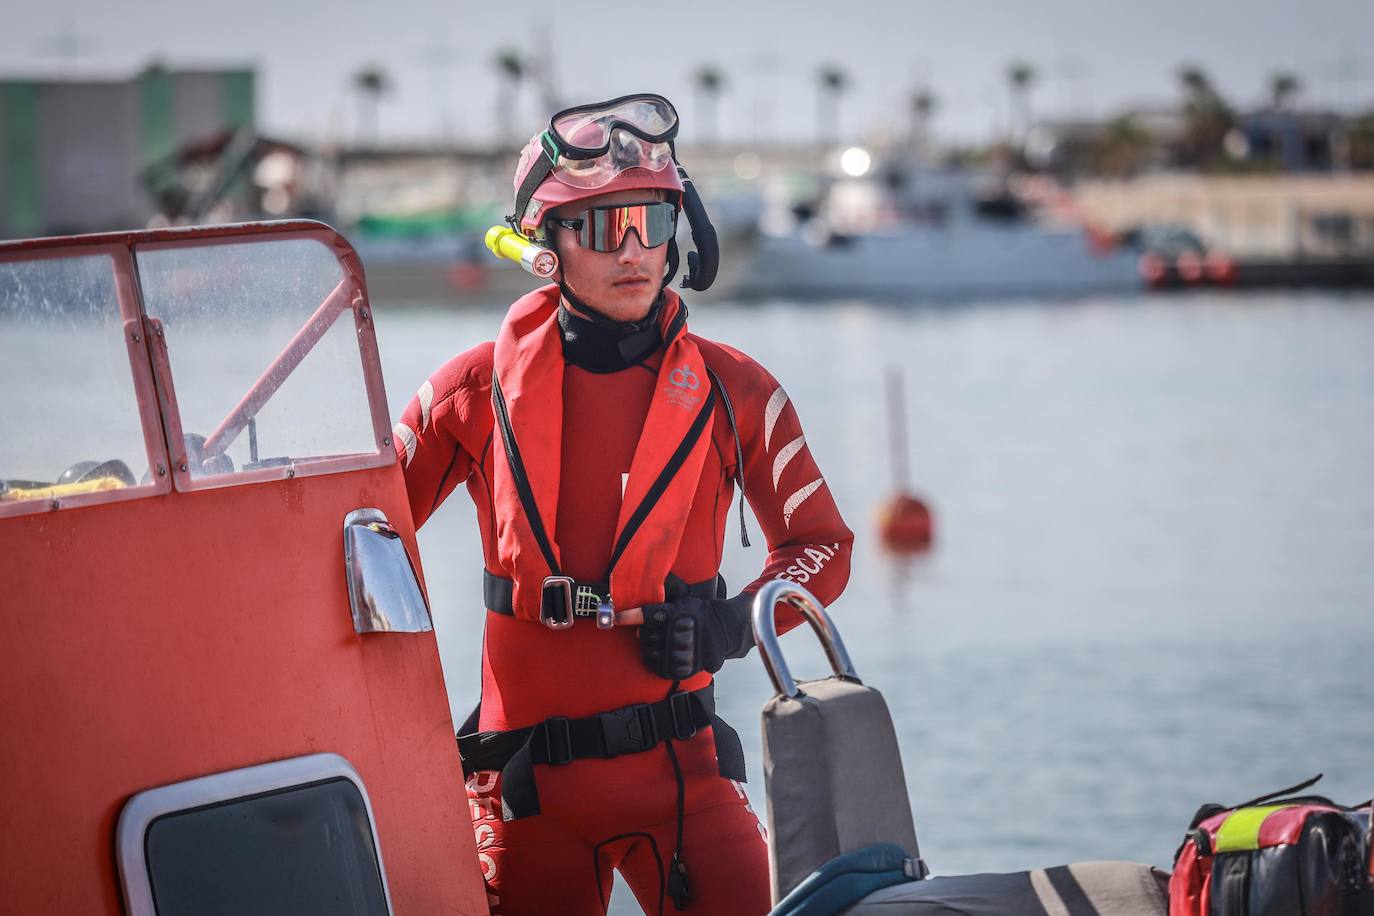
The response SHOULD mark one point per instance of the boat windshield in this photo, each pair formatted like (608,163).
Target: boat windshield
(263,348)
(202,359)
(70,422)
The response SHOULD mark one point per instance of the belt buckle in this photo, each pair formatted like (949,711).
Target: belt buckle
(680,705)
(558,740)
(564,584)
(628,730)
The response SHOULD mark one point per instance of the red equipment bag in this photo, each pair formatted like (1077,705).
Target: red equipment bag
(1277,855)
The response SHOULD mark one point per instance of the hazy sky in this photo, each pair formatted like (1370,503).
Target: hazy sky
(1092,56)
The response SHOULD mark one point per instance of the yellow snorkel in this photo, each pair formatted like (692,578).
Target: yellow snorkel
(505,242)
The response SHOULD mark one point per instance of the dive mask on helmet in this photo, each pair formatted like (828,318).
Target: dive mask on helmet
(591,144)
(584,131)
(605,228)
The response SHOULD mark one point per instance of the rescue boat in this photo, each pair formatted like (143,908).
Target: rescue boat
(222,689)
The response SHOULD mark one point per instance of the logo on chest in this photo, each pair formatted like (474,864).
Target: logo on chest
(682,386)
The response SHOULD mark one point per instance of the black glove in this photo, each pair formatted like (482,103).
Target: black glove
(685,635)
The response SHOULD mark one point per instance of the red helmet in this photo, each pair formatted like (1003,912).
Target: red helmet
(621,145)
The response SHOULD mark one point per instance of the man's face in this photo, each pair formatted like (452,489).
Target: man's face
(620,284)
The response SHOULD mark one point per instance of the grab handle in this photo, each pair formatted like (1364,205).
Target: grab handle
(766,634)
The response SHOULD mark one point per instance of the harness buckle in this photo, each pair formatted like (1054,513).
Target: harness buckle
(628,730)
(585,600)
(556,602)
(588,602)
(680,706)
(558,740)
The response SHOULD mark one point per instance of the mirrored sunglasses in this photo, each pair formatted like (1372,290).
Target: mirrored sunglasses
(605,228)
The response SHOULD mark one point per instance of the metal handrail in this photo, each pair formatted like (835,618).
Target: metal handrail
(766,634)
(315,327)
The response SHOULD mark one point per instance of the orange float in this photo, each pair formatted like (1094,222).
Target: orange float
(904,522)
(1190,267)
(1153,270)
(1221,268)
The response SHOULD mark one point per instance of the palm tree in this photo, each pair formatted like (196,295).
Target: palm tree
(1207,118)
(923,105)
(510,65)
(1194,80)
(371,83)
(709,81)
(1283,87)
(833,82)
(1021,77)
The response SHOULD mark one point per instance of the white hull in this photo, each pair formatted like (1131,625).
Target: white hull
(937,263)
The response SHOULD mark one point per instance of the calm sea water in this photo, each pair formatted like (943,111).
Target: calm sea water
(1153,584)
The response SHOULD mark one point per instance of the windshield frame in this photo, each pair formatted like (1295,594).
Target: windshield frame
(352,287)
(151,371)
(130,314)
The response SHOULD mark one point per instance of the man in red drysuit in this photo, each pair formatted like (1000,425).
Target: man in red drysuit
(602,443)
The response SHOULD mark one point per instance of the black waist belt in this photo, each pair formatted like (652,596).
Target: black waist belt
(564,600)
(629,730)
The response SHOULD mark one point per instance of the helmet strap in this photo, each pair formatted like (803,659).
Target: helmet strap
(542,168)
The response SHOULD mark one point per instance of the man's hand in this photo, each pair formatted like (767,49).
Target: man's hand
(685,635)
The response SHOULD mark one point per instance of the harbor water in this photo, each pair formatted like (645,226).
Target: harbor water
(1153,578)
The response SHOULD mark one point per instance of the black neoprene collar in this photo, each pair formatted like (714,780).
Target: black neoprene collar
(602,346)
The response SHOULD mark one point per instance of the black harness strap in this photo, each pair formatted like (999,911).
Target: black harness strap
(629,730)
(522,480)
(540,170)
(498,593)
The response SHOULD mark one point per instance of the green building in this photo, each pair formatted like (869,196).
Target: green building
(71,151)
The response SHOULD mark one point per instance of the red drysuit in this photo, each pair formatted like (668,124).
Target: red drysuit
(620,812)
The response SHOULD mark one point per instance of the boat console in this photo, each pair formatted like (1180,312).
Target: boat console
(842,838)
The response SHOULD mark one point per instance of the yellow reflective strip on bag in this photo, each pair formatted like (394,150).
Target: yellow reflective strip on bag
(1240,831)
